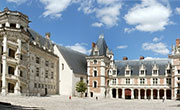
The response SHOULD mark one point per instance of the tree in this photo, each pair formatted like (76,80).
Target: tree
(81,87)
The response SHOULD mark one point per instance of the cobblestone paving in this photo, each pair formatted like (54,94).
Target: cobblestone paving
(63,103)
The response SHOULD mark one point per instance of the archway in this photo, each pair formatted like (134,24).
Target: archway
(135,94)
(119,93)
(114,93)
(154,94)
(168,94)
(127,93)
(142,93)
(10,88)
(148,94)
(161,93)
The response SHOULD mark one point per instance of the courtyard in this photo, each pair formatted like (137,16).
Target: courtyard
(64,103)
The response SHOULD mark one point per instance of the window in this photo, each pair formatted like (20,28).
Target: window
(94,84)
(35,85)
(178,71)
(179,78)
(47,63)
(128,81)
(11,53)
(142,81)
(95,52)
(95,73)
(114,72)
(10,70)
(37,71)
(37,60)
(178,91)
(114,81)
(155,81)
(168,71)
(21,57)
(81,78)
(62,66)
(21,73)
(46,74)
(95,61)
(12,25)
(168,81)
(52,75)
(155,72)
(127,72)
(52,65)
(39,86)
(142,72)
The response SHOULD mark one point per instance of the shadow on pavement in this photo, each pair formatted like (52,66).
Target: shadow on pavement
(8,106)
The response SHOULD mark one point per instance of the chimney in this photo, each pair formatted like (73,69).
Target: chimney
(141,58)
(177,42)
(93,44)
(48,35)
(125,58)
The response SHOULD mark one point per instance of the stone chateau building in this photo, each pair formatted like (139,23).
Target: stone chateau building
(33,65)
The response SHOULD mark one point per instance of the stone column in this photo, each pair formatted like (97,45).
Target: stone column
(123,95)
(139,95)
(132,93)
(151,93)
(158,94)
(145,95)
(165,94)
(17,70)
(4,66)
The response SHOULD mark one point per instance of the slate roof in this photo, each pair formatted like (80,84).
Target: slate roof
(75,60)
(102,46)
(44,42)
(136,64)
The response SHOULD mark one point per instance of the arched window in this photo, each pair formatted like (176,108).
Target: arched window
(95,73)
(94,84)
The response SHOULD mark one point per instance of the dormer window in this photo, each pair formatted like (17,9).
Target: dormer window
(95,52)
(95,61)
(13,25)
(168,71)
(155,72)
(142,72)
(127,72)
(114,72)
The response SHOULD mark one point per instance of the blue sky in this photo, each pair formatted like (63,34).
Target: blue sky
(131,28)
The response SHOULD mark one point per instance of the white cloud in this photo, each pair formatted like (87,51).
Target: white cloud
(17,1)
(157,39)
(96,24)
(122,46)
(53,8)
(107,11)
(149,16)
(152,58)
(178,10)
(129,30)
(80,47)
(159,47)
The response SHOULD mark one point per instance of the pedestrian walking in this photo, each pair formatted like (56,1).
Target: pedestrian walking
(163,98)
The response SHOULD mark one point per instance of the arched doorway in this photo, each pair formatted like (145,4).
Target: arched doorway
(119,93)
(135,94)
(161,93)
(154,94)
(142,93)
(127,93)
(168,94)
(148,94)
(10,88)
(114,93)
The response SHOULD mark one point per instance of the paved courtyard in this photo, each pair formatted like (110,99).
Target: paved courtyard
(63,103)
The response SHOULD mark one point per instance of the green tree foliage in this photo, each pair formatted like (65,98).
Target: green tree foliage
(81,87)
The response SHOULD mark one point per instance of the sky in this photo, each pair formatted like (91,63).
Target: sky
(131,28)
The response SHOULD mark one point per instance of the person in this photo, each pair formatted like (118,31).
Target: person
(163,98)
(96,98)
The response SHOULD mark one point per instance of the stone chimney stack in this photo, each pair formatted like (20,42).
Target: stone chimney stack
(125,58)
(177,42)
(93,44)
(141,58)
(48,35)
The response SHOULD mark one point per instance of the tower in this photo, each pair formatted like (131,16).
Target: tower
(14,40)
(98,66)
